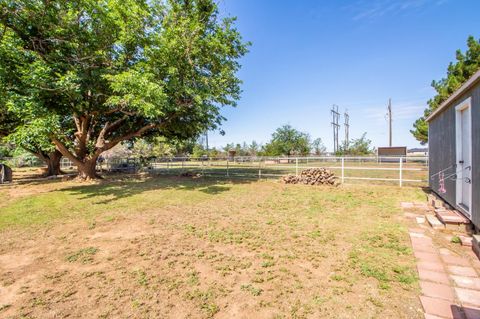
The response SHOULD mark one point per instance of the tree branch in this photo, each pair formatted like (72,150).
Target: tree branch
(112,143)
(65,152)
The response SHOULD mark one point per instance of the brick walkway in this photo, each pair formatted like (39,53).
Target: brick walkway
(450,284)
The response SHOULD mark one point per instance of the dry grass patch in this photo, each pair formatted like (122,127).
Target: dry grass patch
(183,248)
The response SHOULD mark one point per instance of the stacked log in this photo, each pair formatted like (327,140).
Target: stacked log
(312,176)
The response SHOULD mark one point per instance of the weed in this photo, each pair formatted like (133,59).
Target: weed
(375,302)
(205,300)
(193,278)
(254,291)
(456,240)
(337,277)
(141,277)
(84,255)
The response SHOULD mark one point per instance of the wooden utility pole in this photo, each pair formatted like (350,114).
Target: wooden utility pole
(335,125)
(206,139)
(389,122)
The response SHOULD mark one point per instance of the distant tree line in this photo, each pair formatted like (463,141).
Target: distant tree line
(285,141)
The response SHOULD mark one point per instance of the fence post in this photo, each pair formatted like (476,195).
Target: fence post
(259,169)
(296,166)
(400,171)
(228,174)
(343,170)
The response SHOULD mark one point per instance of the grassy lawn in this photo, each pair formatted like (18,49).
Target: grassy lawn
(200,248)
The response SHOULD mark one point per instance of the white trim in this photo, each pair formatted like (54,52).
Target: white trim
(462,106)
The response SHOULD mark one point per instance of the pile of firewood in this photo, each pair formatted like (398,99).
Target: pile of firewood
(313,176)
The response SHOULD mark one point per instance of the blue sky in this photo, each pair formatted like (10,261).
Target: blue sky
(307,55)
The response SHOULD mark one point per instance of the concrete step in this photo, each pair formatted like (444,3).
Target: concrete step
(434,222)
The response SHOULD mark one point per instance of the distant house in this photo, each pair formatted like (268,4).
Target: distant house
(454,150)
(418,152)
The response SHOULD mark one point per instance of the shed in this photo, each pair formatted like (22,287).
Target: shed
(391,153)
(454,150)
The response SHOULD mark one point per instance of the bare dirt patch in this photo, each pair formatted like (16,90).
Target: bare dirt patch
(199,249)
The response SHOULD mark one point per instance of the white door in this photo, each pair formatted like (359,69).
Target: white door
(464,155)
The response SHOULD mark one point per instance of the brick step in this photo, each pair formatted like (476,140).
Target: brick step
(436,202)
(476,245)
(466,241)
(448,216)
(434,222)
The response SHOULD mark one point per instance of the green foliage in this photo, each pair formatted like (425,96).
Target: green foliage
(6,150)
(199,151)
(318,147)
(458,72)
(357,147)
(103,72)
(286,140)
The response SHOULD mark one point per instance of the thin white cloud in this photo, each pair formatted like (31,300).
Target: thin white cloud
(402,111)
(370,9)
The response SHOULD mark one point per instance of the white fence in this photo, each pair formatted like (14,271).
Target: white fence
(386,170)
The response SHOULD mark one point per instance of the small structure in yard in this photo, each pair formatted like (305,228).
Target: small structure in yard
(5,174)
(454,150)
(231,155)
(391,153)
(418,152)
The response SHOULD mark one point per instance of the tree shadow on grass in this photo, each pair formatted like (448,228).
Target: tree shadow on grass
(115,188)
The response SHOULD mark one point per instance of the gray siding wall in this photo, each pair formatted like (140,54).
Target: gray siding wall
(442,151)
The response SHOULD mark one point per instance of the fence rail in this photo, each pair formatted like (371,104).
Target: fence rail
(398,170)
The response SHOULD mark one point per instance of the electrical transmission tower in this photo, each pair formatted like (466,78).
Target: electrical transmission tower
(336,126)
(347,128)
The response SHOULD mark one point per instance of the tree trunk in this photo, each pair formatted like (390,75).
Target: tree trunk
(53,163)
(87,170)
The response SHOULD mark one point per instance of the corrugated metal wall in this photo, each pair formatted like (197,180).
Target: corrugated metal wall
(442,151)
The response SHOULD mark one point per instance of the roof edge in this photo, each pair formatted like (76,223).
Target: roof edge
(467,85)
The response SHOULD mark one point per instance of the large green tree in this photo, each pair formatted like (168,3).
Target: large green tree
(102,72)
(32,136)
(287,140)
(458,72)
